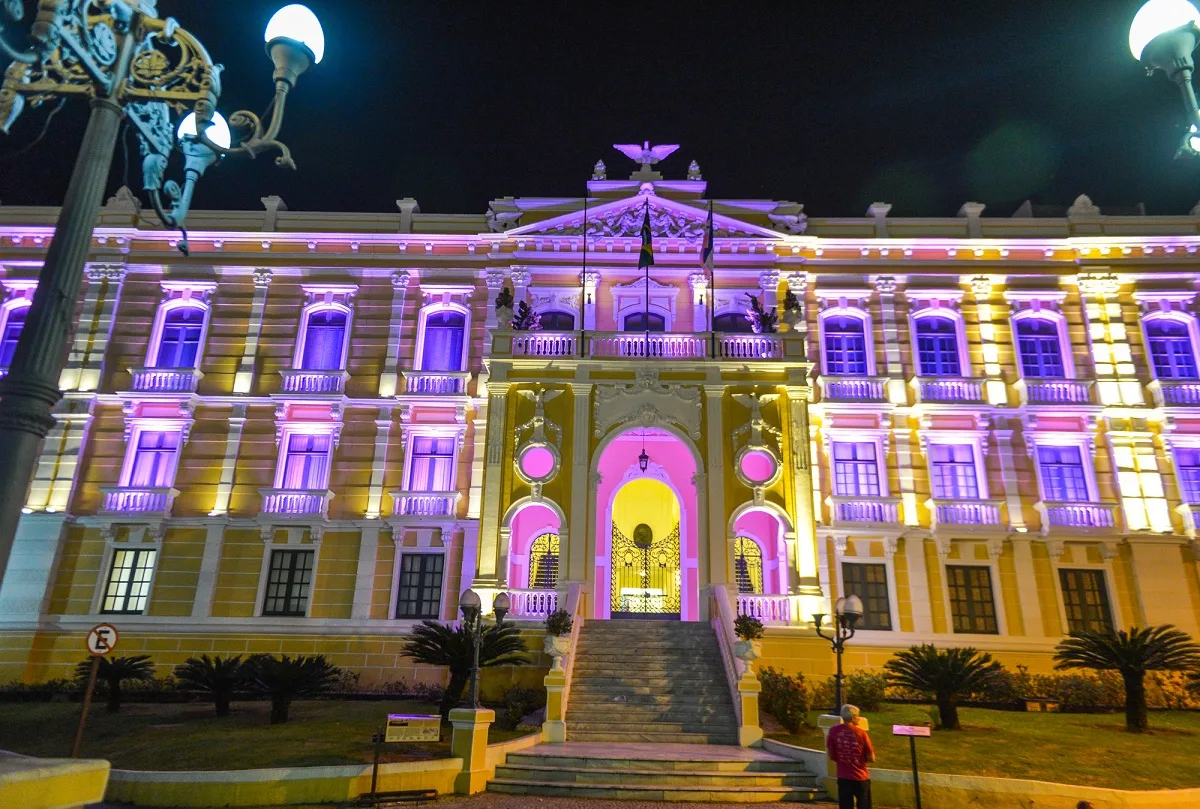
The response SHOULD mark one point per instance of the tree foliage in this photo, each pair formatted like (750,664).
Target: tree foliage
(218,677)
(947,674)
(283,679)
(115,670)
(453,646)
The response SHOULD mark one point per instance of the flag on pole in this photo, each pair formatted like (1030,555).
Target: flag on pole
(706,252)
(646,259)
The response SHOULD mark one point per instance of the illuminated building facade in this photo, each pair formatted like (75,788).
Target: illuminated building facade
(316,429)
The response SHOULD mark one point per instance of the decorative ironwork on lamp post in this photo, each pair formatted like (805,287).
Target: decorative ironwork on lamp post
(846,612)
(126,61)
(1163,36)
(472,612)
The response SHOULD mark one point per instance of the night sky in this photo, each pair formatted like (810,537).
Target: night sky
(832,104)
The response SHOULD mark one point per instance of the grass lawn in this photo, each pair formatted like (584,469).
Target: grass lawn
(1084,749)
(190,737)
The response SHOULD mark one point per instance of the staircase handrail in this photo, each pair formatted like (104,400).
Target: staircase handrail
(575,608)
(722,624)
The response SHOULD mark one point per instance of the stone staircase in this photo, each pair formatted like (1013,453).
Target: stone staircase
(650,681)
(655,772)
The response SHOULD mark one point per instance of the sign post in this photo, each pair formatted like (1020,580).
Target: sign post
(912,732)
(401,728)
(101,641)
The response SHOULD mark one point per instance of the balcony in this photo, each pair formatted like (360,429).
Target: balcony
(653,346)
(1077,516)
(136,500)
(1055,391)
(303,381)
(853,389)
(964,514)
(1175,392)
(865,510)
(949,389)
(770,609)
(436,383)
(296,502)
(532,604)
(165,380)
(425,504)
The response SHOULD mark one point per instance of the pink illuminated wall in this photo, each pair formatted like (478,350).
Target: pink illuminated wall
(765,528)
(527,525)
(676,462)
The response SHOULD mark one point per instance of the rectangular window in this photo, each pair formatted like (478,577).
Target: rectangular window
(288,583)
(972,603)
(13,324)
(154,460)
(845,345)
(431,468)
(1085,598)
(323,340)
(937,346)
(306,465)
(420,593)
(129,582)
(180,341)
(1041,352)
(869,583)
(953,467)
(1187,468)
(855,469)
(1063,477)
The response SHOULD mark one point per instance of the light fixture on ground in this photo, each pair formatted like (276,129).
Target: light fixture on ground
(1163,36)
(846,612)
(128,63)
(472,611)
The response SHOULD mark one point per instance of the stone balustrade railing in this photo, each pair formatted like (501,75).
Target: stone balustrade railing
(296,502)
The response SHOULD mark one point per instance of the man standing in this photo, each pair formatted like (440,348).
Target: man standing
(850,748)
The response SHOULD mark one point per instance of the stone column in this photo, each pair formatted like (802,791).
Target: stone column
(554,729)
(389,380)
(581,423)
(243,381)
(591,283)
(383,430)
(520,281)
(717,548)
(233,441)
(768,282)
(1027,591)
(469,742)
(918,584)
(210,563)
(497,440)
(803,577)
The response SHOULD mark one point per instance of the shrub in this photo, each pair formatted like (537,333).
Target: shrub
(347,682)
(18,691)
(1170,690)
(559,623)
(820,694)
(438,644)
(114,671)
(1079,692)
(948,674)
(747,627)
(518,703)
(784,697)
(218,677)
(284,679)
(866,689)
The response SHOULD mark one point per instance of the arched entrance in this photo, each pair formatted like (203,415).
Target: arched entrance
(647,522)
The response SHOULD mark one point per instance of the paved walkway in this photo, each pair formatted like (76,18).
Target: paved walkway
(493,800)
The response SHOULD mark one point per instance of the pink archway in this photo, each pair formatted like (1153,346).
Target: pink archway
(767,530)
(530,522)
(672,462)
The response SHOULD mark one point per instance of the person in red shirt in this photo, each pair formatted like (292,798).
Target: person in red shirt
(850,748)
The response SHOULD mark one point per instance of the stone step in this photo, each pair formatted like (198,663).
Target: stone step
(621,713)
(654,765)
(618,724)
(680,674)
(643,737)
(609,775)
(704,693)
(588,701)
(638,792)
(678,685)
(706,657)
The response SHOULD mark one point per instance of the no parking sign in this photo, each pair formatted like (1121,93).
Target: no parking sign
(102,639)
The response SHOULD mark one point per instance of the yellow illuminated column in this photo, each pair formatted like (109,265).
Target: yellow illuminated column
(806,582)
(885,285)
(1115,373)
(718,551)
(89,378)
(493,479)
(233,442)
(243,381)
(575,549)
(389,380)
(383,429)
(70,377)
(1138,478)
(982,287)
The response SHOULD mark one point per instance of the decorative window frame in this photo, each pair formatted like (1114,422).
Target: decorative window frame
(320,298)
(1174,441)
(546,299)
(1108,552)
(732,301)
(424,547)
(17,294)
(976,439)
(853,435)
(284,430)
(995,550)
(135,426)
(443,298)
(147,542)
(1169,309)
(1028,305)
(1084,440)
(293,543)
(939,303)
(180,295)
(410,431)
(890,544)
(631,298)
(521,560)
(846,303)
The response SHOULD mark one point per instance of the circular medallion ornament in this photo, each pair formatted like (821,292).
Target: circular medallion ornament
(537,463)
(757,467)
(104,43)
(643,535)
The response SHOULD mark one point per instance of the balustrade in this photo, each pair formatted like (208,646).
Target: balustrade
(965,513)
(535,604)
(853,389)
(1175,392)
(305,381)
(295,502)
(136,500)
(640,345)
(1055,391)
(770,609)
(952,389)
(866,509)
(165,380)
(1081,516)
(439,383)
(425,504)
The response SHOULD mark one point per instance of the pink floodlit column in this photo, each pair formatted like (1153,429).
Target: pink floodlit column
(527,525)
(677,460)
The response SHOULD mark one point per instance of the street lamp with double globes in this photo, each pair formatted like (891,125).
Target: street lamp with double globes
(130,64)
(1163,36)
(846,612)
(471,606)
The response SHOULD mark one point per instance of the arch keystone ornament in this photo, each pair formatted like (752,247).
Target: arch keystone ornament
(647,402)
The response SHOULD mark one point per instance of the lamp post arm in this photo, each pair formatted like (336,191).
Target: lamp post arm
(1183,79)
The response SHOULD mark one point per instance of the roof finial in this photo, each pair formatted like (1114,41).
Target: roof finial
(694,171)
(599,171)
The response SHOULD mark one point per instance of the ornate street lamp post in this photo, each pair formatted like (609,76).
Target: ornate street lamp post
(846,612)
(470,605)
(126,61)
(1163,36)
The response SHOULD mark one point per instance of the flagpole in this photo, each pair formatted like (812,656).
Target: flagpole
(712,282)
(583,303)
(646,311)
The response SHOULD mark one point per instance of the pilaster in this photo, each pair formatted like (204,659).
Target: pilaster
(804,577)
(71,375)
(364,575)
(591,283)
(886,285)
(243,381)
(768,282)
(1027,591)
(718,541)
(902,436)
(493,480)
(1008,477)
(233,441)
(982,287)
(698,283)
(383,430)
(389,380)
(31,568)
(210,563)
(1116,376)
(576,562)
(918,584)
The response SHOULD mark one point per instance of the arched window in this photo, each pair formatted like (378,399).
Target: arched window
(442,346)
(845,345)
(179,343)
(558,321)
(14,322)
(937,346)
(543,562)
(640,321)
(748,566)
(1171,349)
(732,322)
(324,340)
(1040,348)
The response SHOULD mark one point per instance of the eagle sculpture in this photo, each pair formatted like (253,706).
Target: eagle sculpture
(645,154)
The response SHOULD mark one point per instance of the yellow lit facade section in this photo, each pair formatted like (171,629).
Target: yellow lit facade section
(950,393)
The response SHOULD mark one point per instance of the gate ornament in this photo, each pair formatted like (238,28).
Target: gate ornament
(643,535)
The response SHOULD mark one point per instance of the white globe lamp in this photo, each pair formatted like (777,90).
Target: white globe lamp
(217,131)
(1163,35)
(295,41)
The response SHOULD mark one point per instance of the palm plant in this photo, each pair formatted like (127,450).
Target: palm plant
(1131,654)
(947,674)
(437,644)
(283,679)
(115,670)
(217,676)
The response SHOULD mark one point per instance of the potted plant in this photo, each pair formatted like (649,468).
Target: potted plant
(504,308)
(791,309)
(558,637)
(761,321)
(527,318)
(748,646)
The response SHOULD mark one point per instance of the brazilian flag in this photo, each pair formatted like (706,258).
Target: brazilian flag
(646,259)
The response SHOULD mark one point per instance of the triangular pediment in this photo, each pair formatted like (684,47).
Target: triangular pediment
(623,219)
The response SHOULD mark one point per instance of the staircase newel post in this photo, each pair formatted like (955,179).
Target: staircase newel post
(554,729)
(749,731)
(469,742)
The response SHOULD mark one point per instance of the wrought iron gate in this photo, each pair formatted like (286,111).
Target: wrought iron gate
(645,572)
